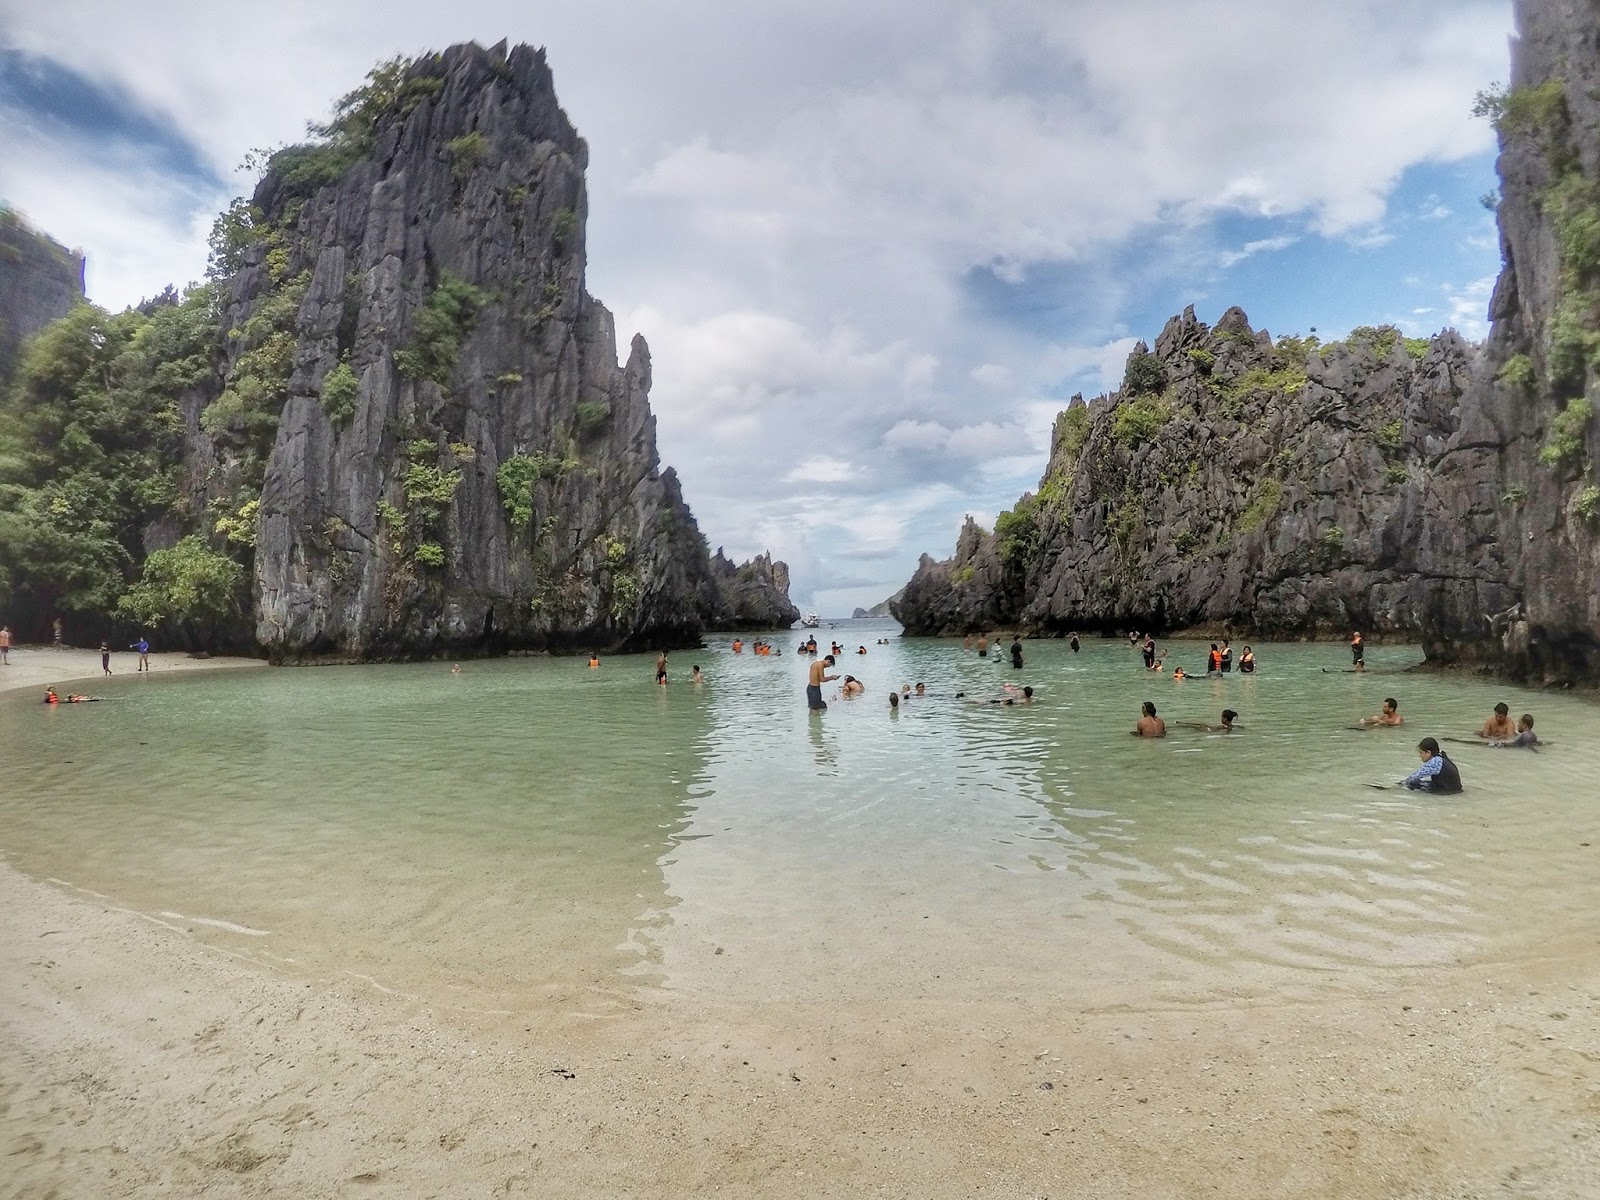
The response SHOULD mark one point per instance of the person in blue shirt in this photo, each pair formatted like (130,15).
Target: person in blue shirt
(143,647)
(1437,772)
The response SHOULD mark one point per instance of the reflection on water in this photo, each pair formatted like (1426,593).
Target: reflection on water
(532,829)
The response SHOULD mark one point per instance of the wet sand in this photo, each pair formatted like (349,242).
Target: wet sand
(138,1060)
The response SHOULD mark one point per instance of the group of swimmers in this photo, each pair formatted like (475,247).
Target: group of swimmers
(50,697)
(1219,659)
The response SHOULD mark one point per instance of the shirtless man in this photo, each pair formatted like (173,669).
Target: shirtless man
(1149,724)
(817,678)
(1227,726)
(1499,728)
(1389,716)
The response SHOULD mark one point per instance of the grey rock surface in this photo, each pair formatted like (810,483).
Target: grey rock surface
(40,281)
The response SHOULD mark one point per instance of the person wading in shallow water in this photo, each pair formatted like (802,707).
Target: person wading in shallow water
(818,676)
(1016,652)
(1358,652)
(1149,724)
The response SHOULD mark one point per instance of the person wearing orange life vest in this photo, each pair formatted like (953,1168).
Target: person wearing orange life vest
(1214,661)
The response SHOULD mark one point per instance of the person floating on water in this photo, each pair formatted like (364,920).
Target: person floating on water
(1499,728)
(76,698)
(1437,772)
(861,649)
(1227,726)
(1357,652)
(1247,662)
(50,696)
(1149,724)
(817,677)
(1016,652)
(1389,716)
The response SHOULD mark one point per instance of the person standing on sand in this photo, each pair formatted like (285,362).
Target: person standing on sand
(143,647)
(55,628)
(105,657)
(814,681)
(5,644)
(1149,724)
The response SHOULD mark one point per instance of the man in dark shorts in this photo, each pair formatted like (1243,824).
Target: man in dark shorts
(1149,653)
(818,676)
(1357,652)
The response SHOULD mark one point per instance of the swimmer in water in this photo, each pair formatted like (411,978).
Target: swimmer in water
(1499,728)
(1074,643)
(1227,726)
(922,689)
(1389,716)
(1436,774)
(75,698)
(1179,673)
(594,660)
(456,670)
(1150,725)
(852,686)
(50,696)
(894,701)
(1247,662)
(695,676)
(1358,652)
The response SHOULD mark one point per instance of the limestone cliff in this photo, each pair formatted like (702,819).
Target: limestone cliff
(754,595)
(1439,490)
(422,411)
(1268,485)
(40,280)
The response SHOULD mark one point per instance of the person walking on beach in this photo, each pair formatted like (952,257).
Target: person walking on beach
(5,644)
(143,647)
(814,681)
(1149,724)
(55,628)
(105,657)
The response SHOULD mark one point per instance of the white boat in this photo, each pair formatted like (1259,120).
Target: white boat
(810,621)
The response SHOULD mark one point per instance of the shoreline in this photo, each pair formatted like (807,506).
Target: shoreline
(41,667)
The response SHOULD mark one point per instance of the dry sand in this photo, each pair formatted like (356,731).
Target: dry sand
(137,1061)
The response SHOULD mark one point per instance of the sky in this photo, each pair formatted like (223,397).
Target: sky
(874,246)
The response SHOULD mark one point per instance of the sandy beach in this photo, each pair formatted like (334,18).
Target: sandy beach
(137,1059)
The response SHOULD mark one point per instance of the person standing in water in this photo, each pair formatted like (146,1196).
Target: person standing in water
(1149,652)
(695,676)
(1437,772)
(661,668)
(814,681)
(1225,662)
(1016,652)
(1149,724)
(1074,643)
(1247,662)
(1499,728)
(1389,716)
(983,645)
(1358,652)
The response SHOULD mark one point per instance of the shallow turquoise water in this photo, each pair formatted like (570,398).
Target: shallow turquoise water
(532,830)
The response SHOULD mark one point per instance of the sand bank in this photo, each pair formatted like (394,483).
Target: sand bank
(39,667)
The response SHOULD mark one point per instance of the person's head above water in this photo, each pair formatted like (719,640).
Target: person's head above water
(894,699)
(1502,709)
(1149,708)
(1428,747)
(1526,722)
(1229,716)
(1390,704)
(921,687)
(1028,692)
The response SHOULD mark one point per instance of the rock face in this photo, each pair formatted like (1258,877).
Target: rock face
(40,280)
(1438,490)
(752,596)
(1264,485)
(880,609)
(460,463)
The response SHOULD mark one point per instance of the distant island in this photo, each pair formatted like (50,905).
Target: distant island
(880,609)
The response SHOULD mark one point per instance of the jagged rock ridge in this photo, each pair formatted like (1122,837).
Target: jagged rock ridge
(459,460)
